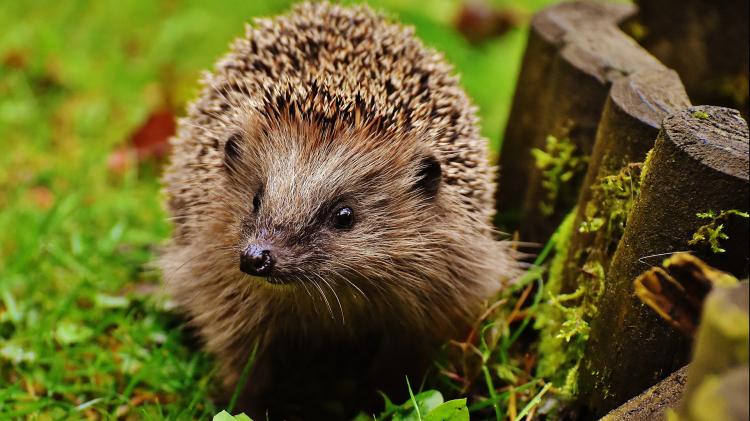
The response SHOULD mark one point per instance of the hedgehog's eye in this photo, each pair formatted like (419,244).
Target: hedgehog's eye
(232,152)
(343,218)
(256,200)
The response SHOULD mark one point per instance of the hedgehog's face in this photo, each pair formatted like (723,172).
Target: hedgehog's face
(341,212)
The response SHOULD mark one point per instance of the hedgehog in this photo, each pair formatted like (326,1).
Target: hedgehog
(332,201)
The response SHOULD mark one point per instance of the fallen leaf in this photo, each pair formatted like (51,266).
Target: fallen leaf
(41,196)
(15,59)
(677,292)
(478,21)
(151,140)
(148,143)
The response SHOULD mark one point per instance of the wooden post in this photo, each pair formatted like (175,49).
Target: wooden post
(533,90)
(706,42)
(699,163)
(592,55)
(654,402)
(628,128)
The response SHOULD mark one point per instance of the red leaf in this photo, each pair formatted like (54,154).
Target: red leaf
(478,21)
(151,140)
(41,197)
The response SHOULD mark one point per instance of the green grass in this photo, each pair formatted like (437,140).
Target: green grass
(82,332)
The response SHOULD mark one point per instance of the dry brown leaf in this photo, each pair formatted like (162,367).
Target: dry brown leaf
(478,21)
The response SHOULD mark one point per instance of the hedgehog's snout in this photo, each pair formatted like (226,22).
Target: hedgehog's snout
(257,260)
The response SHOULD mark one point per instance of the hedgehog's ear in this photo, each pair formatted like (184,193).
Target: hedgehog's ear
(232,152)
(429,176)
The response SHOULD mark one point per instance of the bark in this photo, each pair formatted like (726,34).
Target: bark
(699,162)
(628,128)
(532,97)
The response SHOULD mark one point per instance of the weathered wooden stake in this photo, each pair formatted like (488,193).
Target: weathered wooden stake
(558,131)
(654,403)
(533,90)
(628,128)
(699,163)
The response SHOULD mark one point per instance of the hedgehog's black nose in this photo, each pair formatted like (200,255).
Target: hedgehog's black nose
(256,260)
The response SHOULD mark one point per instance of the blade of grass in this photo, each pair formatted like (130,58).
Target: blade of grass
(493,393)
(532,403)
(500,396)
(243,379)
(536,269)
(413,400)
(527,319)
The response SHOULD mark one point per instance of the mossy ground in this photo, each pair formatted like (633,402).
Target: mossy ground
(81,332)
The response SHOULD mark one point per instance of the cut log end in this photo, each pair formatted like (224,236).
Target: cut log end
(650,95)
(716,137)
(554,22)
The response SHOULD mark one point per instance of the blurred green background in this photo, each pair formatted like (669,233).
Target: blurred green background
(81,333)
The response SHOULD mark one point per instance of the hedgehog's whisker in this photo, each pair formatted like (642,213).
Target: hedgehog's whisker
(348,267)
(325,298)
(341,308)
(303,282)
(312,297)
(357,288)
(174,272)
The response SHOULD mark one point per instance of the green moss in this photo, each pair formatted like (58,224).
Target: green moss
(563,320)
(559,163)
(563,326)
(637,30)
(711,234)
(592,222)
(701,115)
(646,165)
(562,245)
(611,201)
